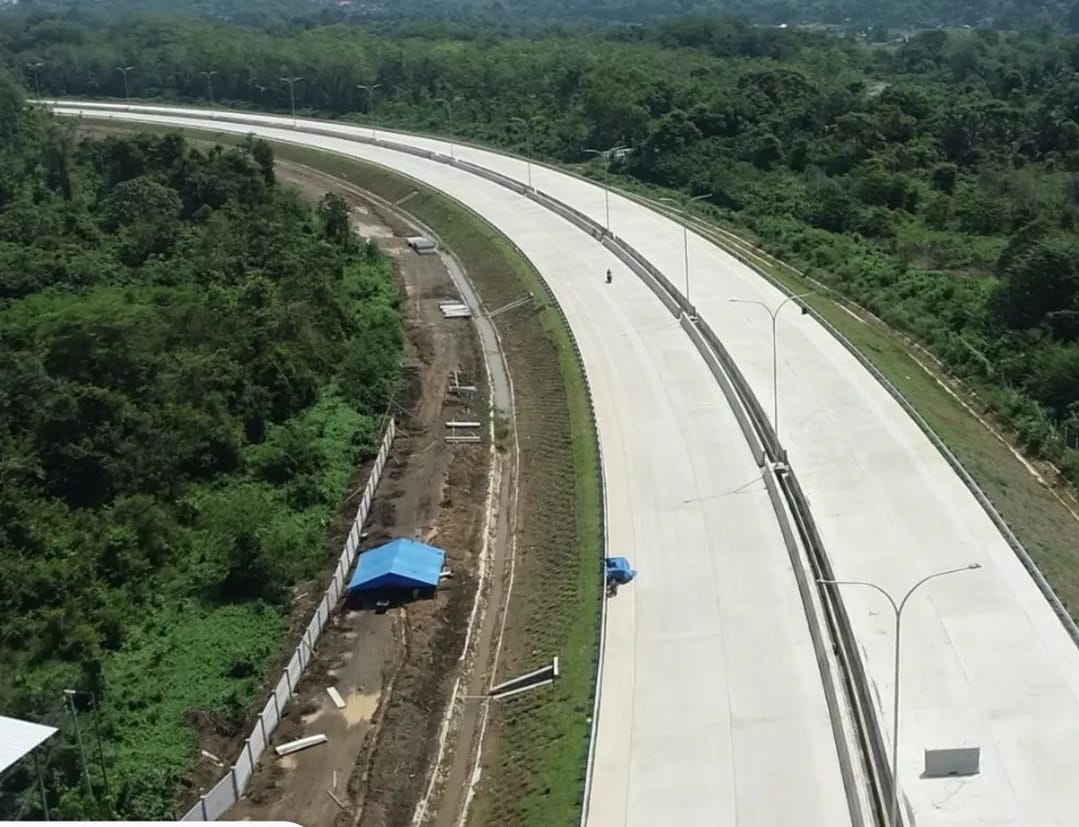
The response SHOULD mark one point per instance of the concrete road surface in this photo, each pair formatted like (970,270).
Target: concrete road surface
(713,710)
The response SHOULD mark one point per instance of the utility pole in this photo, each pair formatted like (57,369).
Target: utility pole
(292,81)
(70,693)
(775,351)
(127,92)
(370,88)
(683,208)
(100,750)
(210,84)
(897,608)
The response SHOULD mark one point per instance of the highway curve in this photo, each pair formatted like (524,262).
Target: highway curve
(711,641)
(711,684)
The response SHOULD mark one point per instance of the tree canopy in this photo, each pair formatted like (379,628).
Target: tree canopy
(153,293)
(876,17)
(191,362)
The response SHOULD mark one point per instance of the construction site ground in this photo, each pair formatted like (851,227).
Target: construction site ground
(394,670)
(388,738)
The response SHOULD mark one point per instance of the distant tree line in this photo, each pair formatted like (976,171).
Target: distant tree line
(935,181)
(874,17)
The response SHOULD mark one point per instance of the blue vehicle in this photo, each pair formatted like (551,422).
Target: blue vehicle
(619,572)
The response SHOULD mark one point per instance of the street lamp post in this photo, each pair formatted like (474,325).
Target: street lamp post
(897,608)
(70,694)
(527,124)
(606,156)
(127,93)
(775,358)
(683,207)
(370,88)
(449,109)
(33,67)
(292,81)
(209,75)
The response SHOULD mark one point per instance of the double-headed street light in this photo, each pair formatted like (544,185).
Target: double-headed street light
(775,358)
(897,608)
(683,208)
(527,124)
(370,88)
(292,81)
(124,70)
(605,155)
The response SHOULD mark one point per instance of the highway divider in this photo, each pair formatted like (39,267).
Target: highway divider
(711,358)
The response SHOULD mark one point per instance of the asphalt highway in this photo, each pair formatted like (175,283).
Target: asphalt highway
(986,663)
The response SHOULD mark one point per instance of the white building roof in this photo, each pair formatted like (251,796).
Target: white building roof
(18,738)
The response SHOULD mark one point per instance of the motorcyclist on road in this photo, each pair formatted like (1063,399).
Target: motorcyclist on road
(608,275)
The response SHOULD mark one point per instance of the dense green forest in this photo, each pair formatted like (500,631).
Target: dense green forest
(936,182)
(192,360)
(849,16)
(166,385)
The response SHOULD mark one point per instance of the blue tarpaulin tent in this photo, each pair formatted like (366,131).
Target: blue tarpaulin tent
(399,564)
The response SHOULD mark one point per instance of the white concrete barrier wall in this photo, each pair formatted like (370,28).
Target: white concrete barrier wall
(213,804)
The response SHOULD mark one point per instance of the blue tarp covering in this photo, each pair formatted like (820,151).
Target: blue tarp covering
(399,564)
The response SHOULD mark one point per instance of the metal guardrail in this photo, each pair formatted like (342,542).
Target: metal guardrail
(216,801)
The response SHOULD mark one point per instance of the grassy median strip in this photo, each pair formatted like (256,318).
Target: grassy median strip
(534,765)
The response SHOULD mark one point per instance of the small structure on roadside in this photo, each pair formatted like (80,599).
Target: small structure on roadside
(401,568)
(20,738)
(422,245)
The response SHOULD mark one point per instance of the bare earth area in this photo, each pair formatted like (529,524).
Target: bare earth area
(393,670)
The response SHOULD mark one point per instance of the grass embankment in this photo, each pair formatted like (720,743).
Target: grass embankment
(534,766)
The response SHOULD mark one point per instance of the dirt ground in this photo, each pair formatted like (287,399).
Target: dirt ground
(393,670)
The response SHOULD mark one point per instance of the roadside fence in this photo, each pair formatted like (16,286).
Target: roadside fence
(213,804)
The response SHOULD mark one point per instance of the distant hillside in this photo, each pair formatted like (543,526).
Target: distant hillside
(899,15)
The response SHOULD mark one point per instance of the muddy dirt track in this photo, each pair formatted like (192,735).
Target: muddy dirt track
(394,670)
